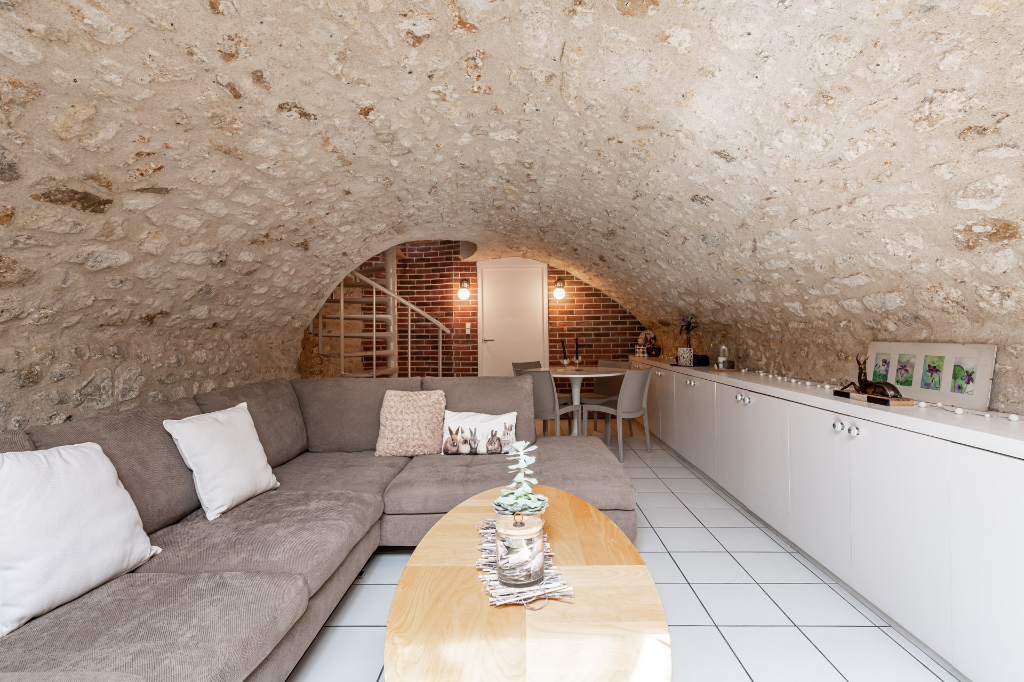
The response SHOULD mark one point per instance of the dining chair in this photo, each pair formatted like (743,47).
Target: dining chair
(632,402)
(606,389)
(545,400)
(563,399)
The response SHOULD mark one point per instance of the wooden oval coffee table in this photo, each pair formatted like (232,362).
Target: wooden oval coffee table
(441,628)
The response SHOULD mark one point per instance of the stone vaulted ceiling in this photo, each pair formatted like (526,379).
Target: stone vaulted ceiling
(183,181)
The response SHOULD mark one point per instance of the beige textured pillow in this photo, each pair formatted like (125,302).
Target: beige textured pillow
(410,422)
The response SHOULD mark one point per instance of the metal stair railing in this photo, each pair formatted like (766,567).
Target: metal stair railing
(372,318)
(441,329)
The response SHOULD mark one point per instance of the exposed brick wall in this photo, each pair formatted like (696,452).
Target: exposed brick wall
(605,329)
(429,277)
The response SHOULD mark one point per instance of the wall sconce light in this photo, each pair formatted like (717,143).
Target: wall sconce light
(464,289)
(559,292)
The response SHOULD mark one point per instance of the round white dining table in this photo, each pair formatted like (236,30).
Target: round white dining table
(576,381)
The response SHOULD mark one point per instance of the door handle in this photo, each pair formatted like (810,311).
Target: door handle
(488,339)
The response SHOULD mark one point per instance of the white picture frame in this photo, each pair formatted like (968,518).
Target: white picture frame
(962,378)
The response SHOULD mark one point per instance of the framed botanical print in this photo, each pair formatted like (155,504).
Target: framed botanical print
(948,373)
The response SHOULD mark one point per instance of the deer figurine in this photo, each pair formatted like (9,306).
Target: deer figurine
(879,388)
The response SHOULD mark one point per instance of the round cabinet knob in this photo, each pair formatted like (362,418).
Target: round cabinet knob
(838,425)
(854,431)
(746,400)
(738,397)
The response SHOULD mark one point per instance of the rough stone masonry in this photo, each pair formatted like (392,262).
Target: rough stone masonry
(182,182)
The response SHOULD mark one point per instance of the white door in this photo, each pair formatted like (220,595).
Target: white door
(819,479)
(899,509)
(513,314)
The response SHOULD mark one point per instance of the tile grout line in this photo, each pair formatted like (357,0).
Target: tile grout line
(697,596)
(755,582)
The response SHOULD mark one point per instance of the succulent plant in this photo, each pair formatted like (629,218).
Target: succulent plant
(519,496)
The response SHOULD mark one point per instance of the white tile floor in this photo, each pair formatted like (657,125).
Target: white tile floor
(742,605)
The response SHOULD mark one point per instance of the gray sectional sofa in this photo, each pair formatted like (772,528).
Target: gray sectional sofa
(242,597)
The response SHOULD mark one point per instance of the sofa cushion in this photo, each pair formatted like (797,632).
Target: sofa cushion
(147,462)
(15,441)
(67,527)
(329,472)
(490,395)
(277,532)
(343,415)
(275,411)
(583,466)
(161,628)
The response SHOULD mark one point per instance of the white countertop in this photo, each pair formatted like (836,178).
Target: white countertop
(996,434)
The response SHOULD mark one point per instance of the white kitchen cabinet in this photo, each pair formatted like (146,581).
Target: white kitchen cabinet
(731,418)
(752,452)
(654,405)
(695,421)
(819,484)
(665,387)
(767,430)
(900,528)
(987,543)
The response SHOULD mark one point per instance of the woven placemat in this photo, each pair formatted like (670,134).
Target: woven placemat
(551,587)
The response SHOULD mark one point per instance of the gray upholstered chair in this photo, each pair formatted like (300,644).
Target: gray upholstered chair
(632,402)
(545,400)
(606,389)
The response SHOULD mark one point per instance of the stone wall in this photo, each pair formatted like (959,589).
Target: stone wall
(182,184)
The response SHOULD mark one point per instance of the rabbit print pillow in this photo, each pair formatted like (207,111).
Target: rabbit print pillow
(409,421)
(471,433)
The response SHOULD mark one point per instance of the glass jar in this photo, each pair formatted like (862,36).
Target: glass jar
(519,541)
(723,354)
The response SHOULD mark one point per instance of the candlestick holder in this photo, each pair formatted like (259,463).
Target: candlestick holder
(577,359)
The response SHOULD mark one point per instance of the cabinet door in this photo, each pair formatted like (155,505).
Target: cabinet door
(987,547)
(702,439)
(695,436)
(819,484)
(765,424)
(667,408)
(899,509)
(654,404)
(731,428)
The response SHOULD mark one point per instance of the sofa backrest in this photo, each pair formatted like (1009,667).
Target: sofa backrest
(144,454)
(490,395)
(15,441)
(275,412)
(343,415)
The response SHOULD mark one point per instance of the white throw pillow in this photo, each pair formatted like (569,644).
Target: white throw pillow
(228,463)
(472,433)
(67,526)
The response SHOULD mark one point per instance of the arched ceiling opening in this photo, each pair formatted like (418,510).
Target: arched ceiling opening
(183,181)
